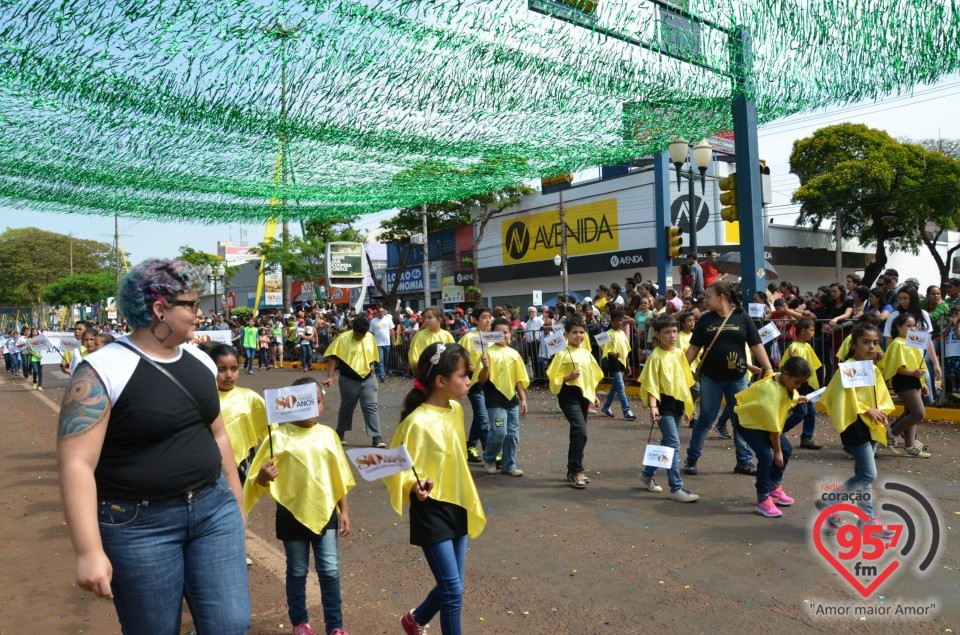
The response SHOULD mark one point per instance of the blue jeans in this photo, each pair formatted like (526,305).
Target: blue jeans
(446,560)
(249,354)
(618,389)
(306,356)
(25,364)
(503,433)
(164,551)
(327,563)
(805,412)
(479,425)
(671,439)
(17,361)
(384,360)
(769,476)
(36,370)
(712,391)
(864,474)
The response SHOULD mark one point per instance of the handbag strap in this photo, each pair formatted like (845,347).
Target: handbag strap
(164,371)
(703,357)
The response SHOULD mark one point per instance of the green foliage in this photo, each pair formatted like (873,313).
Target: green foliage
(302,258)
(81,288)
(242,313)
(202,259)
(886,192)
(32,259)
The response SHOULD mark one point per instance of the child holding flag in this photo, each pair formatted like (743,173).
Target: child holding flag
(504,378)
(805,411)
(903,367)
(574,375)
(444,507)
(36,357)
(306,471)
(472,343)
(617,354)
(665,384)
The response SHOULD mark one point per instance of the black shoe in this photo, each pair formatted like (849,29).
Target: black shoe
(809,444)
(746,469)
(722,431)
(340,434)
(690,468)
(473,455)
(498,463)
(377,442)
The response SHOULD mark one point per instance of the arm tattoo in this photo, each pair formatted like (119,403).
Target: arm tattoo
(85,405)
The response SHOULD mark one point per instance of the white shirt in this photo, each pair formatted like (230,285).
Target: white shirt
(532,328)
(927,326)
(382,328)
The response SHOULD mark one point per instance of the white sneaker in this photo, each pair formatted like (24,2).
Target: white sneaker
(683,496)
(514,471)
(489,468)
(650,484)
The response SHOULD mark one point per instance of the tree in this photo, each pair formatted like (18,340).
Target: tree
(202,259)
(883,191)
(81,288)
(33,259)
(947,217)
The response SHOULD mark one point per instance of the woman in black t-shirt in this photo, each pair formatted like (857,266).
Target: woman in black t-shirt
(724,367)
(148,482)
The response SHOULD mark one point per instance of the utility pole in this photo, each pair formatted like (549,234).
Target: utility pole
(426,259)
(563,249)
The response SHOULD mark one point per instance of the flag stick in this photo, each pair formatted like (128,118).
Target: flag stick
(270,436)
(415,475)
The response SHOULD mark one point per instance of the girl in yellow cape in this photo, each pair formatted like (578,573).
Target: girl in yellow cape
(444,507)
(860,416)
(306,471)
(903,367)
(805,412)
(244,412)
(574,375)
(758,417)
(617,354)
(429,334)
(665,384)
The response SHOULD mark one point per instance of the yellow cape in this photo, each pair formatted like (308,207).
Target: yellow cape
(844,349)
(683,343)
(313,474)
(764,405)
(245,419)
(805,351)
(667,373)
(506,370)
(899,354)
(424,338)
(435,440)
(618,344)
(467,342)
(67,355)
(356,355)
(572,358)
(845,405)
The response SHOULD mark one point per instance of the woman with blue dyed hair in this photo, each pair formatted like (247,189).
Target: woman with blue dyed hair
(148,482)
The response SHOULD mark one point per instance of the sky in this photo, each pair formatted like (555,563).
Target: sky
(928,113)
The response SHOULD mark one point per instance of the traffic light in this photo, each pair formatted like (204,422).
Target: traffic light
(728,198)
(674,241)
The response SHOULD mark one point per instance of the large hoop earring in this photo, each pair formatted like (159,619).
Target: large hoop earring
(154,328)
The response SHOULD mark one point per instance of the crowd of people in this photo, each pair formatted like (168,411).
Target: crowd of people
(696,355)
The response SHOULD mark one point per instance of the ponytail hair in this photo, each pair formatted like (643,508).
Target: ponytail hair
(436,359)
(733,295)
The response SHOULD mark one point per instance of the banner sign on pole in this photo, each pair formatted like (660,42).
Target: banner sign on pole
(602,338)
(857,374)
(555,342)
(292,403)
(374,463)
(919,339)
(769,333)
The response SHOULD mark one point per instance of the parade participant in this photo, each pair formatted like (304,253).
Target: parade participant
(860,416)
(483,318)
(574,376)
(726,331)
(79,328)
(244,411)
(444,505)
(276,343)
(35,357)
(148,483)
(665,384)
(263,350)
(87,345)
(21,349)
(354,352)
(804,411)
(504,378)
(617,356)
(903,369)
(431,333)
(759,417)
(249,336)
(306,471)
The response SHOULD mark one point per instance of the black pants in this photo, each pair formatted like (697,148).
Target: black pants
(575,410)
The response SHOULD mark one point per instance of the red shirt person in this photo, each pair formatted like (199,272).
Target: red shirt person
(710,272)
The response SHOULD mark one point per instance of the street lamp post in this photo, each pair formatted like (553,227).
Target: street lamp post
(702,154)
(215,276)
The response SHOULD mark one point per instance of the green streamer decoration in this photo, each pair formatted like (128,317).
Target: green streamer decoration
(167,109)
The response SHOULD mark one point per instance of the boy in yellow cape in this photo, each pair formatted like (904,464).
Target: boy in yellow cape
(665,384)
(354,352)
(574,375)
(617,354)
(504,378)
(482,318)
(860,416)
(759,418)
(431,333)
(805,411)
(309,477)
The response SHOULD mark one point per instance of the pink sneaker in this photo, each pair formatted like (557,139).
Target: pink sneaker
(409,625)
(339,631)
(780,497)
(768,509)
(884,533)
(304,629)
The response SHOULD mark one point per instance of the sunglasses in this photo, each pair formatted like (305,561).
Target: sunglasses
(190,304)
